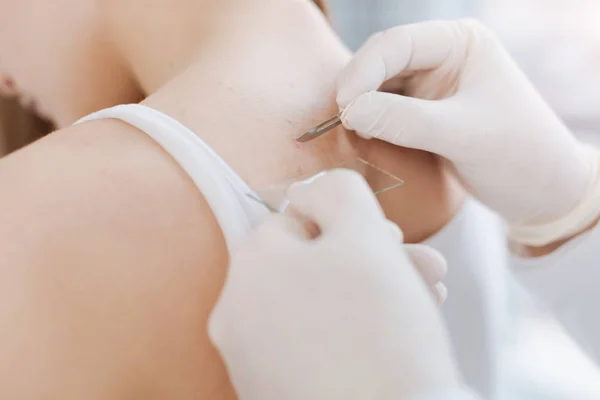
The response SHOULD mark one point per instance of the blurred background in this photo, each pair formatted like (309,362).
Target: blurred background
(557,43)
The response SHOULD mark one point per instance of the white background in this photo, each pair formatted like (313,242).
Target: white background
(557,43)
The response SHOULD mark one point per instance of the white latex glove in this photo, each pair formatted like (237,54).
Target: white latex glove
(342,316)
(466,100)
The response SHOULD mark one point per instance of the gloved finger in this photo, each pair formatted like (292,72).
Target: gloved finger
(279,227)
(440,292)
(404,121)
(409,48)
(310,229)
(430,263)
(396,231)
(337,198)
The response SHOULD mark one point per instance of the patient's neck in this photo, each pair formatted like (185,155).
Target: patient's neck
(249,88)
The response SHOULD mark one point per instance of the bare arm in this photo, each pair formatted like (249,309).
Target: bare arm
(110,264)
(111,259)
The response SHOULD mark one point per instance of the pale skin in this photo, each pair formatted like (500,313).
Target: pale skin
(111,259)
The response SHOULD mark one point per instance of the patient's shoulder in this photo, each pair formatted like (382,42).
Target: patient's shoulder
(120,243)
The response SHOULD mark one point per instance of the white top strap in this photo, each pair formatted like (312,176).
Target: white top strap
(222,188)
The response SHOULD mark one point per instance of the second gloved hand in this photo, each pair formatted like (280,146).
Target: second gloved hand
(457,93)
(342,316)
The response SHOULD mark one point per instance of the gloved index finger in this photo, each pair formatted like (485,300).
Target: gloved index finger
(403,49)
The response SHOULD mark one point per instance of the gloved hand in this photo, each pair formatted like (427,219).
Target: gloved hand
(342,316)
(457,93)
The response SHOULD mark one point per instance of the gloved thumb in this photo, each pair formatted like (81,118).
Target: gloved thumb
(403,121)
(335,199)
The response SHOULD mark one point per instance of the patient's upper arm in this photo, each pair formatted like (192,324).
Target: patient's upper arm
(111,262)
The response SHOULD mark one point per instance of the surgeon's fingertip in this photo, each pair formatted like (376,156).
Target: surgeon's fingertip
(429,258)
(441,292)
(396,231)
(439,261)
(344,118)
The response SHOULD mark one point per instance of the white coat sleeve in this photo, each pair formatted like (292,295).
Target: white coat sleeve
(463,393)
(568,282)
(474,244)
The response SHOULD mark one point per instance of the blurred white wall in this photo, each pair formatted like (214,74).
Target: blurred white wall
(557,43)
(356,20)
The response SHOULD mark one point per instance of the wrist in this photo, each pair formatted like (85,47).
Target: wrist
(532,251)
(580,218)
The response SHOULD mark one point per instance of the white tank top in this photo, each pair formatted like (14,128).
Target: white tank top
(223,189)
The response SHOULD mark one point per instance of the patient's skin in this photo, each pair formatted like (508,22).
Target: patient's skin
(111,259)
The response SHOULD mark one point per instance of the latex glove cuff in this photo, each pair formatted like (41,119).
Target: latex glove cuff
(575,221)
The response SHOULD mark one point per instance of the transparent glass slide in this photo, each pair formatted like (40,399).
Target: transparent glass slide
(274,197)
